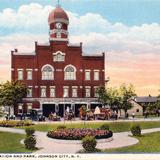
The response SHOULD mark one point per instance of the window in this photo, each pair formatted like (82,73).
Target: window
(43,92)
(29,74)
(88,92)
(47,72)
(29,107)
(96,75)
(20,74)
(74,92)
(65,92)
(87,75)
(20,108)
(58,34)
(58,57)
(29,94)
(52,91)
(70,73)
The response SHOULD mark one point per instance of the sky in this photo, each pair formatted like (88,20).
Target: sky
(128,31)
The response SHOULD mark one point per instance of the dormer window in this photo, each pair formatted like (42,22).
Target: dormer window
(59,57)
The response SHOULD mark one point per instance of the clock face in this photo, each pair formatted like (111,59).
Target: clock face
(58,25)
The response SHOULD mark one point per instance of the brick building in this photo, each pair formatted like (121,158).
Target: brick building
(58,74)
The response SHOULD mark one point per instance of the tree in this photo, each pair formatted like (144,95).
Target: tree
(102,95)
(126,94)
(158,102)
(11,93)
(113,98)
(110,96)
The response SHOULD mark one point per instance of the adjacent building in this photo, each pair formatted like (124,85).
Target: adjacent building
(58,74)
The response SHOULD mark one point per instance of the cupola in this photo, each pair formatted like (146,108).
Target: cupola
(58,22)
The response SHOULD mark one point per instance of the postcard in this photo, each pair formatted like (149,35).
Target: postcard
(79,79)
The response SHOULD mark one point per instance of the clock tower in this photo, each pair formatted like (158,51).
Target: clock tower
(58,23)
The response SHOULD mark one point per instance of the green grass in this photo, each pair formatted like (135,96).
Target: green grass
(10,143)
(114,126)
(148,143)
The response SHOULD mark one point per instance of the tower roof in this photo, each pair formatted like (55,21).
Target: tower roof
(58,14)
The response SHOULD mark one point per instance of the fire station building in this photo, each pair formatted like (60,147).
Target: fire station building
(58,74)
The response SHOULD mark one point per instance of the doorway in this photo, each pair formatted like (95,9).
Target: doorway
(47,109)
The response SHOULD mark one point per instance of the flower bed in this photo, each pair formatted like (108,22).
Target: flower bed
(78,134)
(13,123)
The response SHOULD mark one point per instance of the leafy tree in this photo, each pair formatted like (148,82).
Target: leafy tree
(110,96)
(158,102)
(102,95)
(11,93)
(113,97)
(126,93)
(117,97)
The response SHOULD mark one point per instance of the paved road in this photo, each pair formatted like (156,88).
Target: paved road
(48,145)
(130,119)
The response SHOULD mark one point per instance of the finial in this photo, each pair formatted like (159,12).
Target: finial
(58,3)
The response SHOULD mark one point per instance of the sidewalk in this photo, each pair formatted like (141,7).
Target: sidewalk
(130,119)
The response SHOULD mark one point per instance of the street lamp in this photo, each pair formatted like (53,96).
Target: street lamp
(64,96)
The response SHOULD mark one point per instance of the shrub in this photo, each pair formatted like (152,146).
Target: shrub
(104,127)
(30,142)
(136,130)
(29,131)
(89,143)
(61,127)
(27,123)
(14,123)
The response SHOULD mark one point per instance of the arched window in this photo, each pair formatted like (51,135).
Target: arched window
(70,73)
(47,72)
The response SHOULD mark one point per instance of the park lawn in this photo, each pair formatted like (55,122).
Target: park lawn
(148,143)
(114,126)
(10,143)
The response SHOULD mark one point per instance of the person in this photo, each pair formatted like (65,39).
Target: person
(7,117)
(158,112)
(54,114)
(133,114)
(67,110)
(21,116)
(116,115)
(97,112)
(70,110)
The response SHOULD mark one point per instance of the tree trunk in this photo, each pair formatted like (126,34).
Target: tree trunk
(126,116)
(120,112)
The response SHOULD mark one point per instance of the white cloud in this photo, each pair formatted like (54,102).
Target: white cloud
(97,33)
(27,17)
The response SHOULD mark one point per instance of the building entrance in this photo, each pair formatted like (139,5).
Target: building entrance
(62,108)
(47,109)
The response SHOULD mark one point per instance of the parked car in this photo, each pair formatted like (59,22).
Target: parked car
(10,117)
